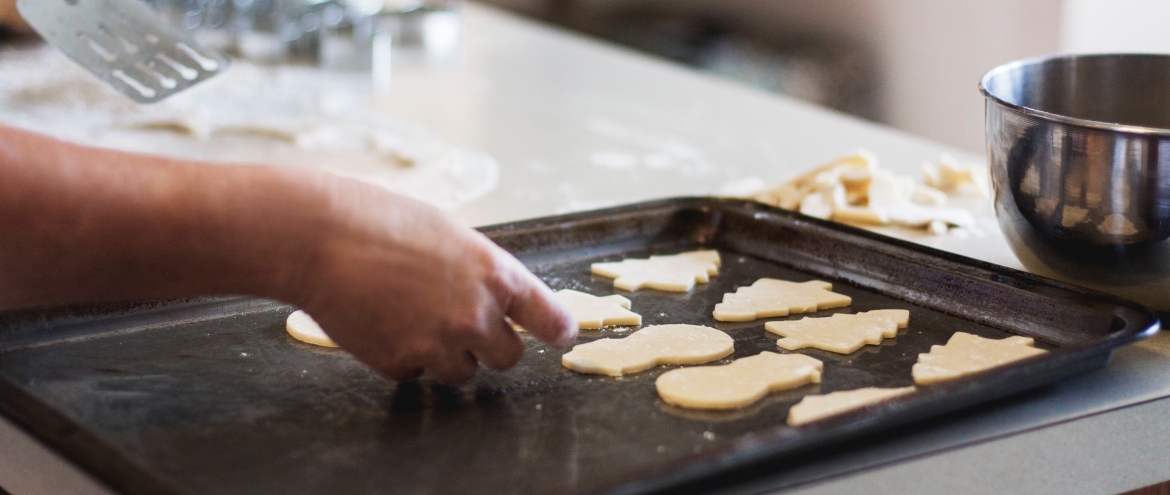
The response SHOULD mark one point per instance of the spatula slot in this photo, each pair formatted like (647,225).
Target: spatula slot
(163,80)
(125,44)
(101,51)
(142,89)
(207,63)
(182,70)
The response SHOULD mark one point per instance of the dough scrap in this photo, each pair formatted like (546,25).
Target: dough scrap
(649,347)
(302,327)
(840,333)
(953,177)
(850,171)
(854,189)
(738,384)
(674,273)
(769,297)
(592,311)
(965,354)
(817,407)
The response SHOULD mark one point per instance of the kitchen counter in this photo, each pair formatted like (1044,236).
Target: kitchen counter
(578,124)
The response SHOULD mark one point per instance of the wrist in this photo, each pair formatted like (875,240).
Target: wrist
(288,236)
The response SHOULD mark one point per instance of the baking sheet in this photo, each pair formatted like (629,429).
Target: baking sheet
(211,396)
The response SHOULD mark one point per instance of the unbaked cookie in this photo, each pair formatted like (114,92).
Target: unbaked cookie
(675,273)
(769,297)
(738,384)
(965,354)
(840,333)
(302,327)
(592,311)
(649,347)
(817,407)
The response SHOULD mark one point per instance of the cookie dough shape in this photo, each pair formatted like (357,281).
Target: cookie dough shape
(965,354)
(649,347)
(843,334)
(769,297)
(592,311)
(738,384)
(302,327)
(817,407)
(674,273)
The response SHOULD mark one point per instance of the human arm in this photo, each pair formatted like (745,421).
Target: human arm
(390,279)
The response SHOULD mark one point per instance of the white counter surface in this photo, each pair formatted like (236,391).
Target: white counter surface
(576,124)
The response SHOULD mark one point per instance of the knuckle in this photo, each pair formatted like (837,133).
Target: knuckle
(505,360)
(463,333)
(503,353)
(469,326)
(465,326)
(500,272)
(482,256)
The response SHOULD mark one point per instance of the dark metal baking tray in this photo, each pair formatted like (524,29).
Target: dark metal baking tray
(211,397)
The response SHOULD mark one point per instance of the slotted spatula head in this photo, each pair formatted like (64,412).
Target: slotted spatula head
(125,44)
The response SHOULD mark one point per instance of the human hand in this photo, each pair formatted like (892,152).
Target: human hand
(404,288)
(392,280)
(10,18)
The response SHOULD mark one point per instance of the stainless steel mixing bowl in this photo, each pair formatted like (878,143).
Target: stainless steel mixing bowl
(1080,164)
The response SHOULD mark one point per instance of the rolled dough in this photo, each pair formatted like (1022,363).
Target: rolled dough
(769,297)
(843,334)
(675,273)
(649,347)
(592,311)
(291,115)
(965,354)
(817,407)
(738,384)
(302,327)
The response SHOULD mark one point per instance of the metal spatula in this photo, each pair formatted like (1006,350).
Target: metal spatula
(125,44)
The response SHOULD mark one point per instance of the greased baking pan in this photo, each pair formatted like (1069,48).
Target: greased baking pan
(211,397)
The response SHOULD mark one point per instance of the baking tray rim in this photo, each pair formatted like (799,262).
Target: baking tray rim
(891,243)
(109,466)
(1098,350)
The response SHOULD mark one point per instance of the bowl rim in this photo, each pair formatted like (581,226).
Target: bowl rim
(1064,119)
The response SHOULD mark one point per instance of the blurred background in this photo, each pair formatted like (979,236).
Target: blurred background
(912,64)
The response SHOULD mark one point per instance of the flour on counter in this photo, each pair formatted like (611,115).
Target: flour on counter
(283,115)
(651,149)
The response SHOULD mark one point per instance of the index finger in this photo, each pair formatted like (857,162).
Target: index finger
(533,307)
